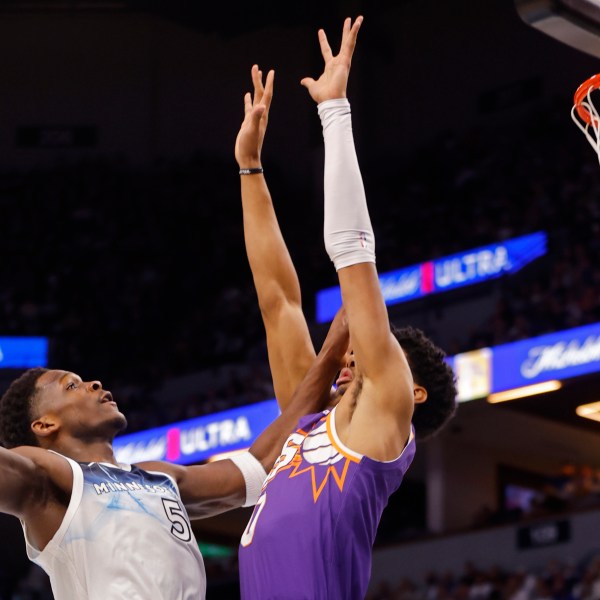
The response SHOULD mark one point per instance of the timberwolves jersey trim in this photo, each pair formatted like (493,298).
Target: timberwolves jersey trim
(125,534)
(312,530)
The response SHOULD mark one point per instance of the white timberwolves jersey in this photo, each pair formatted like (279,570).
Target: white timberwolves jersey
(126,534)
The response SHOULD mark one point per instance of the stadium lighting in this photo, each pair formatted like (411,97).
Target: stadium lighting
(589,411)
(524,392)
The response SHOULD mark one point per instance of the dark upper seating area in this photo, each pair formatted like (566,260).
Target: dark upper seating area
(138,275)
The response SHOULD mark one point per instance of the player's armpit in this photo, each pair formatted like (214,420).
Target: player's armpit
(375,412)
(378,425)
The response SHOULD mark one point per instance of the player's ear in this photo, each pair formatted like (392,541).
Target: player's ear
(45,426)
(420,394)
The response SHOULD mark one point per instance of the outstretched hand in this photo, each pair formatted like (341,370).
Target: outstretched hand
(333,81)
(249,141)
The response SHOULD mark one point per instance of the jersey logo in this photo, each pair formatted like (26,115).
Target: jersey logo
(318,450)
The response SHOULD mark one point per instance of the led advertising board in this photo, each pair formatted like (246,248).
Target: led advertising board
(23,352)
(444,274)
(479,373)
(559,355)
(196,440)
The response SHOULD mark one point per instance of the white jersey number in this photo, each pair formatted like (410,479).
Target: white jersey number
(249,532)
(289,450)
(180,526)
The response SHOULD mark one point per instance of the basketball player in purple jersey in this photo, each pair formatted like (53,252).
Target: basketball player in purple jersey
(314,524)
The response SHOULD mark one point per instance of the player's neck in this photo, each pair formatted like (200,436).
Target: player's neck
(86,451)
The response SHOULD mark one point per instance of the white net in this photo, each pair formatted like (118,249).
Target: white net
(586,117)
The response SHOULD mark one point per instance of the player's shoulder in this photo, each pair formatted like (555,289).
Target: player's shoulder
(46,467)
(157,466)
(40,457)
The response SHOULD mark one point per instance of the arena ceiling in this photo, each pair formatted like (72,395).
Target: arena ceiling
(222,18)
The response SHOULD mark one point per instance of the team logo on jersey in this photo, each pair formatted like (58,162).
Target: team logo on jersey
(105,487)
(318,450)
(107,480)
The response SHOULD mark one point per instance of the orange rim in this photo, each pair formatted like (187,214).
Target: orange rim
(593,83)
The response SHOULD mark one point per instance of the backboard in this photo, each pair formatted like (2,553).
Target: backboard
(573,22)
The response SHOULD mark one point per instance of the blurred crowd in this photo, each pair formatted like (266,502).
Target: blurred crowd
(557,580)
(488,185)
(575,487)
(138,275)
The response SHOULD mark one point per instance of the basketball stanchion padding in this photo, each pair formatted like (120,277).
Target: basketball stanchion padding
(585,114)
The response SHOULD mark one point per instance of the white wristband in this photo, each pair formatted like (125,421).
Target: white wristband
(254,475)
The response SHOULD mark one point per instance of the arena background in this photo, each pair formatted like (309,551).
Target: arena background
(121,241)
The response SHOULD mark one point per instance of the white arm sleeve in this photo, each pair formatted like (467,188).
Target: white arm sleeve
(254,475)
(347,230)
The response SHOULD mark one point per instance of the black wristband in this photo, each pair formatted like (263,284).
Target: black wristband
(254,171)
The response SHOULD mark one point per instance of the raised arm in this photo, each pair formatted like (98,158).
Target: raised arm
(289,344)
(385,394)
(216,487)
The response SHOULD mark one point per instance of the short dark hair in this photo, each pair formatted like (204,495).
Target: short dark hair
(16,410)
(431,371)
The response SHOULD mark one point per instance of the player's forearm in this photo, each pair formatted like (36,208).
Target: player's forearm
(289,343)
(274,274)
(349,237)
(347,226)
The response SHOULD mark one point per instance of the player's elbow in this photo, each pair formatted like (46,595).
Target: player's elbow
(273,302)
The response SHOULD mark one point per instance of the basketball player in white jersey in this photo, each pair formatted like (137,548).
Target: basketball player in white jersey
(107,531)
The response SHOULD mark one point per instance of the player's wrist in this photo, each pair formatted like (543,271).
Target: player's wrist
(333,106)
(251,170)
(339,95)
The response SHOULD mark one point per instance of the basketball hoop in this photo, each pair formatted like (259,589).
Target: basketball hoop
(585,114)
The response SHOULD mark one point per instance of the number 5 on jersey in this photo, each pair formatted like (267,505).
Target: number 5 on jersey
(180,526)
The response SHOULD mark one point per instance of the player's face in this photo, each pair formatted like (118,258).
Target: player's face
(346,374)
(81,408)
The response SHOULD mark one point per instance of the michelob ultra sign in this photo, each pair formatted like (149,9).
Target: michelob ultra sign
(447,273)
(481,372)
(197,440)
(561,355)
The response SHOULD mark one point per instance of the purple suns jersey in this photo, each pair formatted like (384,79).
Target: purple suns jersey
(312,530)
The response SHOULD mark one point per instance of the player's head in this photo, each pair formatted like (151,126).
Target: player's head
(431,372)
(42,406)
(434,381)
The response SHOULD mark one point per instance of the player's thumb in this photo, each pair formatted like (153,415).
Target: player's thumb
(307,82)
